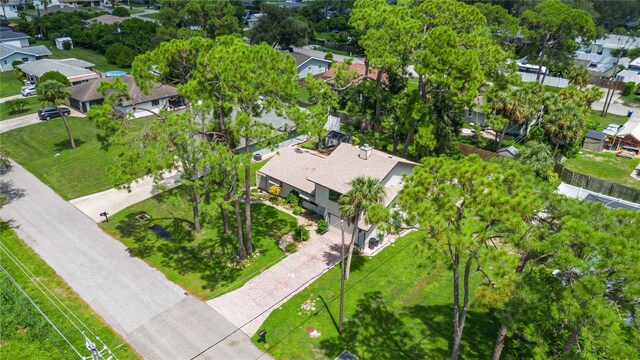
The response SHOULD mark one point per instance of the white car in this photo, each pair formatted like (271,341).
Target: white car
(612,129)
(28,90)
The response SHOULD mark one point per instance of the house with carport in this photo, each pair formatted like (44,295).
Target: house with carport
(321,177)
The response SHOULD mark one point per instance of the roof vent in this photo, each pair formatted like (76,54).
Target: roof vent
(365,152)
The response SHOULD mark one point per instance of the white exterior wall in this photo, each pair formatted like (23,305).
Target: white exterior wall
(313,66)
(322,199)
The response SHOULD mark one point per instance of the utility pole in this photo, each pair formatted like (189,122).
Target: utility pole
(341,279)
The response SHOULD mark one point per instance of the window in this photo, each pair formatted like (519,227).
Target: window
(334,195)
(25,59)
(155,102)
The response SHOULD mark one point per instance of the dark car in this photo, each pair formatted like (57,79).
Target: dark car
(51,112)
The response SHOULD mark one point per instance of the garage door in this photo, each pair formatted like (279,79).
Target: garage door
(334,225)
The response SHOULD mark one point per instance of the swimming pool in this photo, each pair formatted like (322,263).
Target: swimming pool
(115,73)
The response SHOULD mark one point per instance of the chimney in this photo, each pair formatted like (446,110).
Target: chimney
(365,152)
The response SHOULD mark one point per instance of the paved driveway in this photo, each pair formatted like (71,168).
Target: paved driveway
(8,98)
(159,320)
(249,306)
(8,125)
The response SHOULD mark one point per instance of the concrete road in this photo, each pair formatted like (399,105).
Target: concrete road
(249,306)
(29,119)
(135,299)
(8,98)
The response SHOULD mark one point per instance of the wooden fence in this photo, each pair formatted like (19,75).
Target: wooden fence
(468,150)
(598,185)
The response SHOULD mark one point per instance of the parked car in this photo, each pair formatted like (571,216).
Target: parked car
(51,112)
(28,90)
(612,129)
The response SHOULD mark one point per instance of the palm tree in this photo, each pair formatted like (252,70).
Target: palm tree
(364,193)
(565,124)
(54,92)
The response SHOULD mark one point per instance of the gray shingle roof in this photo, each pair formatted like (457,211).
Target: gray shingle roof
(11,35)
(596,135)
(68,67)
(278,122)
(107,19)
(293,166)
(89,91)
(39,50)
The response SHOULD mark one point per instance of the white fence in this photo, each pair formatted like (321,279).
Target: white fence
(548,80)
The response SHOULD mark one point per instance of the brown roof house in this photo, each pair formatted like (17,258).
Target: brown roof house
(321,179)
(84,95)
(360,69)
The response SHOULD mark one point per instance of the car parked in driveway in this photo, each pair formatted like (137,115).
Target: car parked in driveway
(28,90)
(51,112)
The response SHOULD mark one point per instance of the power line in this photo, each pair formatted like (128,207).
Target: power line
(36,281)
(15,283)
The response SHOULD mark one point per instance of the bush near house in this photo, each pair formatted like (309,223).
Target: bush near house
(323,227)
(291,247)
(628,88)
(301,234)
(54,75)
(120,55)
(121,12)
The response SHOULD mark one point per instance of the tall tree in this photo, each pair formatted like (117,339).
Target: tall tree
(364,194)
(322,100)
(56,94)
(565,123)
(279,27)
(460,205)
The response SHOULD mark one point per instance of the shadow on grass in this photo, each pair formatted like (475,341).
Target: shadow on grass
(66,145)
(210,256)
(374,331)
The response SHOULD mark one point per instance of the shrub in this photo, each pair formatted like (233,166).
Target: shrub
(274,190)
(293,198)
(328,56)
(301,234)
(120,55)
(15,63)
(66,45)
(121,12)
(323,227)
(54,75)
(628,88)
(298,210)
(16,105)
(291,247)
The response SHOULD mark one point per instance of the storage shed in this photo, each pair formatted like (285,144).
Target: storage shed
(594,140)
(60,42)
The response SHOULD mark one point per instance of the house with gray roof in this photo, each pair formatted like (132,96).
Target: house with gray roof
(77,71)
(139,104)
(285,127)
(15,38)
(310,65)
(320,179)
(11,53)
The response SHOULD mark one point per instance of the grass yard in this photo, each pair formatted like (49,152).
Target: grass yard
(89,55)
(204,264)
(605,166)
(31,107)
(9,84)
(397,306)
(43,149)
(632,99)
(24,332)
(594,115)
(154,16)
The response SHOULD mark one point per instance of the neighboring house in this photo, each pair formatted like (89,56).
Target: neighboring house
(594,140)
(610,42)
(106,19)
(509,151)
(321,179)
(310,65)
(80,2)
(252,19)
(77,71)
(598,58)
(626,76)
(85,95)
(10,53)
(285,126)
(363,73)
(587,195)
(14,38)
(635,65)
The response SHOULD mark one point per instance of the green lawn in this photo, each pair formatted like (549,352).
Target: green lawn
(397,306)
(606,166)
(204,264)
(255,166)
(594,115)
(632,99)
(24,332)
(43,149)
(9,84)
(154,16)
(32,106)
(89,55)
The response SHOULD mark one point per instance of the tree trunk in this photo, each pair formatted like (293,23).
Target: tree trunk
(66,126)
(352,244)
(225,220)
(409,138)
(502,134)
(195,197)
(376,117)
(553,51)
(502,333)
(456,307)
(555,149)
(236,206)
(572,340)
(542,54)
(247,202)
(455,353)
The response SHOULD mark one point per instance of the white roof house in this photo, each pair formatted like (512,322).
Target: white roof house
(75,70)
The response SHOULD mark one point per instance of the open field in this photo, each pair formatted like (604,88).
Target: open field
(605,166)
(397,306)
(24,332)
(204,263)
(44,150)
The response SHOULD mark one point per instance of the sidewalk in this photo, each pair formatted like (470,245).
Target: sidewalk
(249,306)
(115,200)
